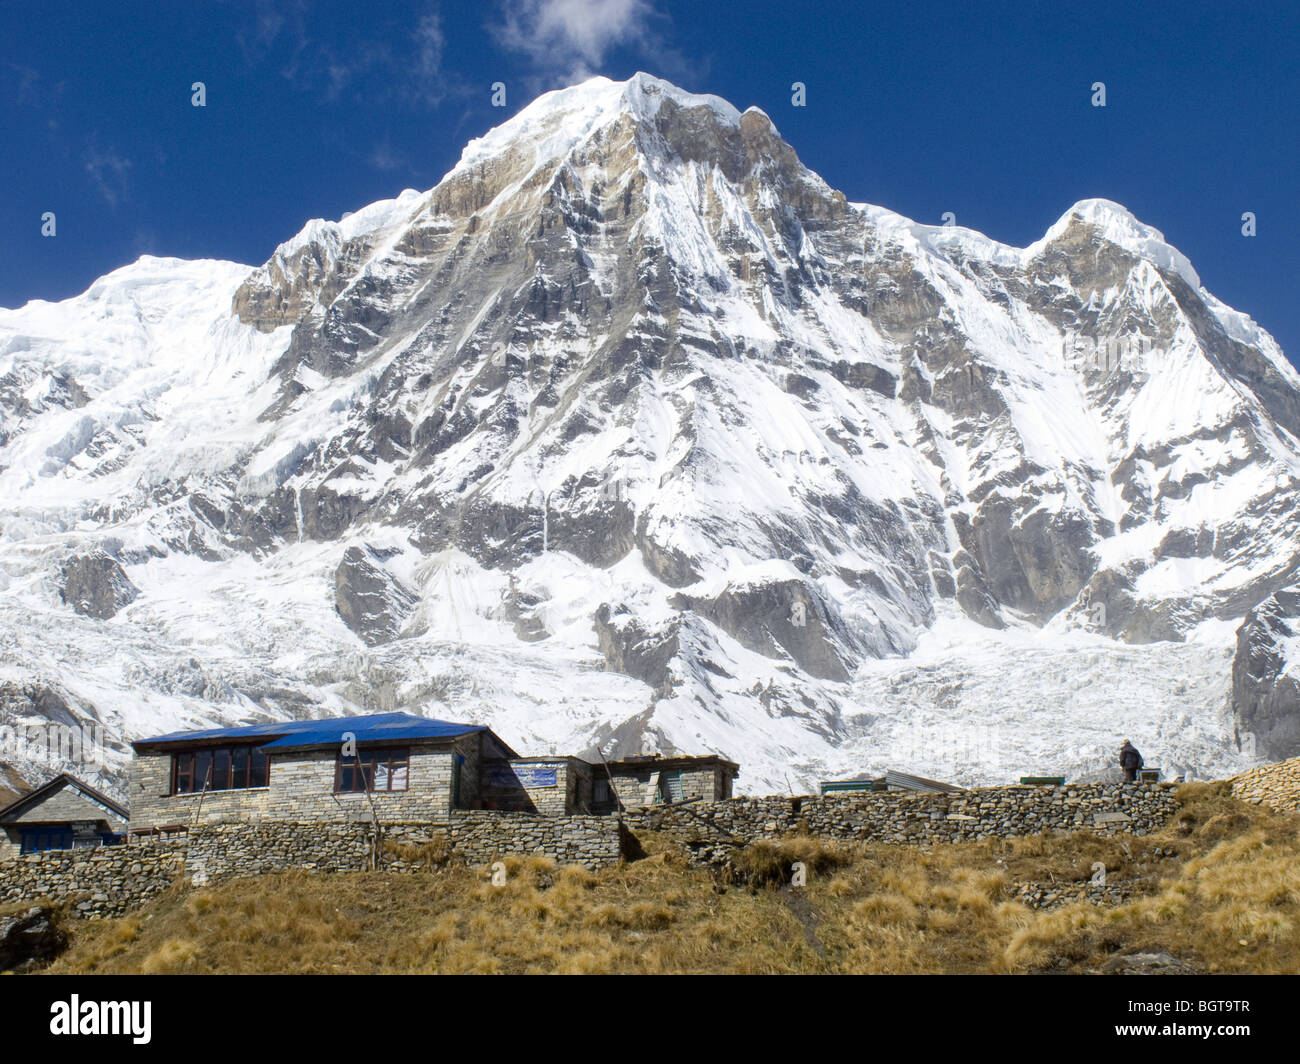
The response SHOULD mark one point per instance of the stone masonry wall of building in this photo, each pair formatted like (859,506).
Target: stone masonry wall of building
(69,804)
(301,787)
(706,783)
(65,805)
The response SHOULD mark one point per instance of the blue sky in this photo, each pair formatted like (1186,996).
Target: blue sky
(979,109)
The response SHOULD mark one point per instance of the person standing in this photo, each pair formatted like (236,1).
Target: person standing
(1130,761)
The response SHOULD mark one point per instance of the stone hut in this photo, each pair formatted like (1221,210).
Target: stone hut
(657,779)
(394,767)
(64,814)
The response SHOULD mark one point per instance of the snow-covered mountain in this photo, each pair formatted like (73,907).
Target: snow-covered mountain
(634,433)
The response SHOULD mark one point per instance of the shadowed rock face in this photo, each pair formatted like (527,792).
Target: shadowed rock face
(777,618)
(630,647)
(35,702)
(96,586)
(1265,692)
(371,601)
(30,939)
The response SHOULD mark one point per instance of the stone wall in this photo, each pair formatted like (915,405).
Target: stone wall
(226,850)
(102,882)
(112,879)
(1276,785)
(483,837)
(67,803)
(109,880)
(908,817)
(553,786)
(633,785)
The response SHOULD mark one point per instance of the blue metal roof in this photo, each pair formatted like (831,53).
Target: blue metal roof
(298,734)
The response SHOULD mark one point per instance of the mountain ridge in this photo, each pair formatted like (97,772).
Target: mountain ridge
(634,397)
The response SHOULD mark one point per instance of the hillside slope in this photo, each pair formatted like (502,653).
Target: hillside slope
(1216,891)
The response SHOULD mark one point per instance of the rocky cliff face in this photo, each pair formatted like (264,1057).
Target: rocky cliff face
(1266,675)
(633,430)
(95,585)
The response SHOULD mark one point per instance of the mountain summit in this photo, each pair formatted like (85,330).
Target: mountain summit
(633,433)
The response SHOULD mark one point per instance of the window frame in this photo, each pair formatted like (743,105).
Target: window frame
(186,763)
(30,837)
(396,759)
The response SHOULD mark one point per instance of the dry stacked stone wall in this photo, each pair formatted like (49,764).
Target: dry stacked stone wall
(907,817)
(110,880)
(102,882)
(1276,785)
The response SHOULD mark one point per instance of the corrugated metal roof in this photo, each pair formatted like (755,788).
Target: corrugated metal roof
(298,734)
(918,783)
(640,761)
(860,784)
(891,779)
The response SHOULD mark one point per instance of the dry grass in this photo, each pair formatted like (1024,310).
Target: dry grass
(769,863)
(1231,904)
(1218,888)
(432,854)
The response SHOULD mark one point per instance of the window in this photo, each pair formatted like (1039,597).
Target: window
(671,787)
(383,771)
(220,768)
(38,840)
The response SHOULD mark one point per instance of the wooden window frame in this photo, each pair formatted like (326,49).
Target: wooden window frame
(189,759)
(367,761)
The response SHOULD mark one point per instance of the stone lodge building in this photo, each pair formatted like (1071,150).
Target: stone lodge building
(394,767)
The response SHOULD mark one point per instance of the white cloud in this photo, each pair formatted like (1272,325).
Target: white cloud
(378,63)
(576,34)
(429,43)
(387,159)
(108,173)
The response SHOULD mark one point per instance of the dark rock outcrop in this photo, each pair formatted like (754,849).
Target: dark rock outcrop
(1265,695)
(31,939)
(636,650)
(95,585)
(771,618)
(371,600)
